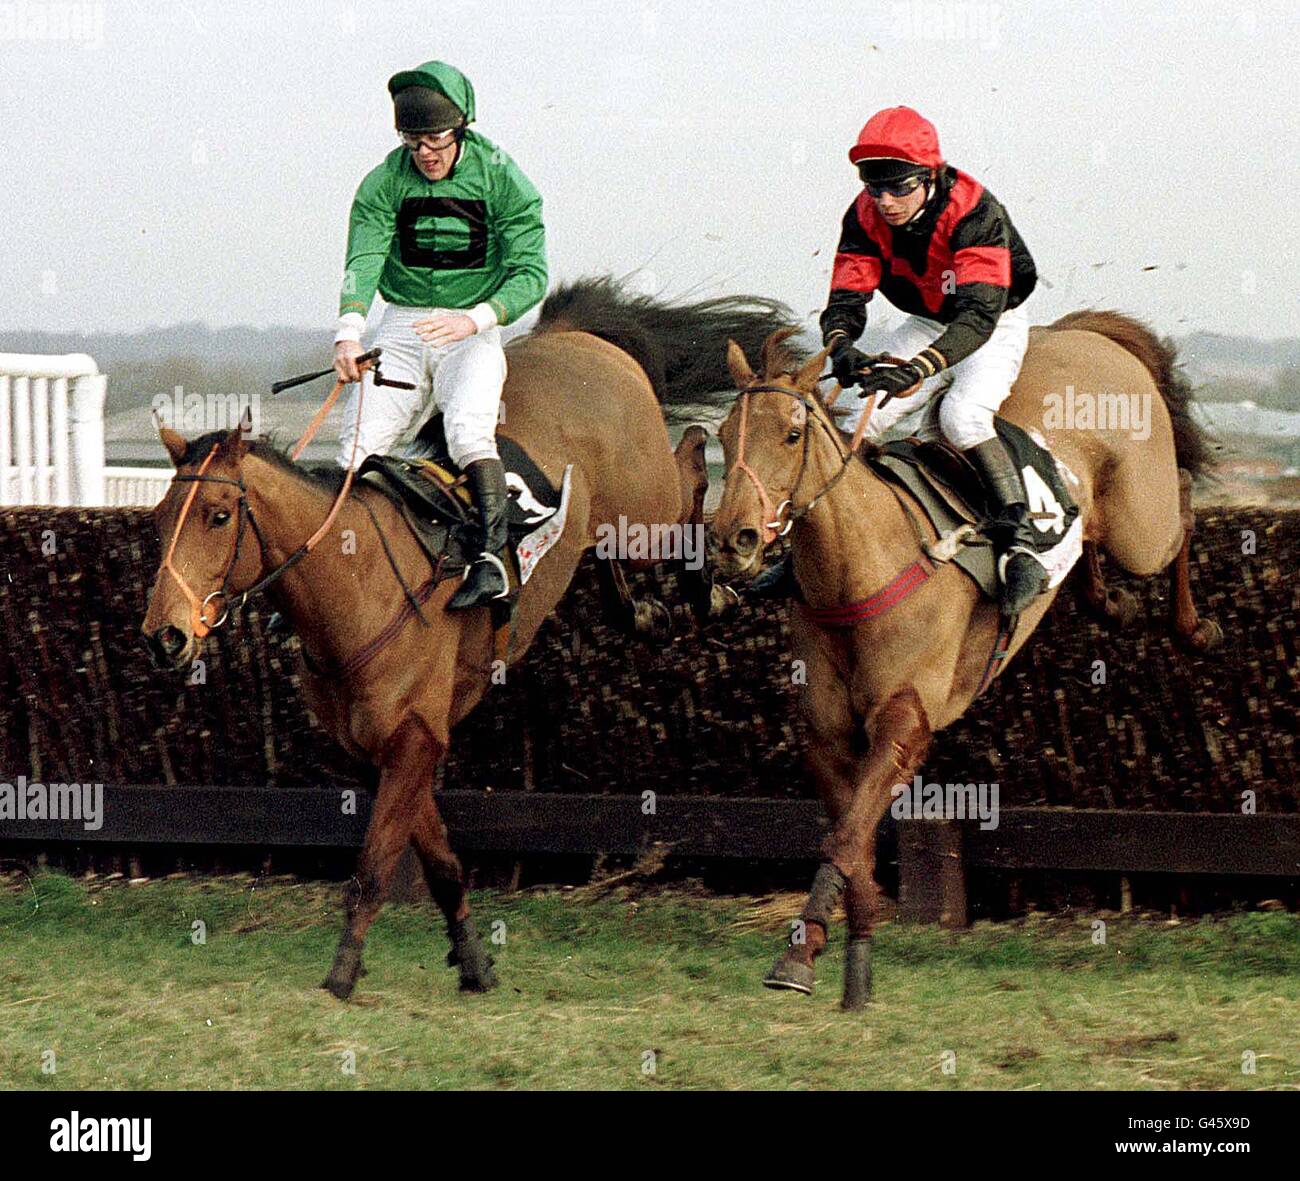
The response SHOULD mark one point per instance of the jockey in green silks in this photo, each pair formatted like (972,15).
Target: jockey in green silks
(449,231)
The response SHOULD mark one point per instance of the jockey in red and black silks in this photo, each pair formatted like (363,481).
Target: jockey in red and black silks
(942,249)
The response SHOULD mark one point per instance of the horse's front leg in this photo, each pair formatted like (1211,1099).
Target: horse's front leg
(446,881)
(899,734)
(406,770)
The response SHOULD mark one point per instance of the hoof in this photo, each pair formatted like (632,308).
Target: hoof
(479,979)
(347,967)
(470,956)
(341,986)
(1206,636)
(651,619)
(476,973)
(857,975)
(791,974)
(1121,609)
(723,600)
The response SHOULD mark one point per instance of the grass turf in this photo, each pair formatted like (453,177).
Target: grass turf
(660,992)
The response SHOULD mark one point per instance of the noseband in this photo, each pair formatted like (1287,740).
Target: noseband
(199,607)
(772,528)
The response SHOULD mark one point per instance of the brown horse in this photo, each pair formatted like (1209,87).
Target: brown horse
(875,692)
(587,387)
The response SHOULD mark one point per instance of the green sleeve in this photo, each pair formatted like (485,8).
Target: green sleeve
(371,226)
(518,226)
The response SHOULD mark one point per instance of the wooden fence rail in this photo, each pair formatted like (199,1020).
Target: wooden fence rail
(934,855)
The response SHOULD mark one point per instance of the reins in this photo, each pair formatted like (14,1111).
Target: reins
(772,528)
(198,607)
(848,615)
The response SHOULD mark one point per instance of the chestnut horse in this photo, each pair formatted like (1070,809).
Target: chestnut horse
(389,679)
(875,691)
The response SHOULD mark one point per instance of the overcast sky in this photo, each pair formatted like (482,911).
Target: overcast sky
(194,161)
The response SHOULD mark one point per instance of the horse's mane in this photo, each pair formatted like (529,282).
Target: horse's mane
(328,477)
(781,360)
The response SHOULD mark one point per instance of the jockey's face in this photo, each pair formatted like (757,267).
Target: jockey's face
(898,211)
(434,163)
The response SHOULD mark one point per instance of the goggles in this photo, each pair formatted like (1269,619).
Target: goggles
(434,140)
(895,186)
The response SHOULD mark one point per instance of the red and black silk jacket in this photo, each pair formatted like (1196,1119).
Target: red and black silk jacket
(961,263)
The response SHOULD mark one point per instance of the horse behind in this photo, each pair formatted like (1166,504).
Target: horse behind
(875,691)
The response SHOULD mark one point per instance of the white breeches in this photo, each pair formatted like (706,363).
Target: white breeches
(464,380)
(973,388)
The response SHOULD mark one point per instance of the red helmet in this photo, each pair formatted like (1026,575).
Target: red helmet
(898,134)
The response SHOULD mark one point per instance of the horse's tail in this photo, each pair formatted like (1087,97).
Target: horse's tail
(681,346)
(1192,443)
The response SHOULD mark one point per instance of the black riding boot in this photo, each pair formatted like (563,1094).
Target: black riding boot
(775,581)
(1023,578)
(485,579)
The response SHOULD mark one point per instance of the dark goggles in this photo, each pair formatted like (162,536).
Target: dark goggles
(894,187)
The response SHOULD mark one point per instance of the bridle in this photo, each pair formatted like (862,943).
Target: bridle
(199,607)
(772,528)
(199,622)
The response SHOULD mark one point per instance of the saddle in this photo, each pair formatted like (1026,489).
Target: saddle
(430,491)
(951,494)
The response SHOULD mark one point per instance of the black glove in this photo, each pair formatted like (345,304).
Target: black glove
(847,362)
(891,379)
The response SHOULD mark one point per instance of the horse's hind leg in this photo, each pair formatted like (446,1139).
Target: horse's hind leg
(1110,605)
(708,599)
(644,618)
(1190,631)
(446,881)
(406,769)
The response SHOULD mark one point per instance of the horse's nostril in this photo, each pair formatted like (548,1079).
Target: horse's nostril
(169,640)
(746,541)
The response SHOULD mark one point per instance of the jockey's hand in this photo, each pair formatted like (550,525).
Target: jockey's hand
(346,353)
(890,381)
(847,362)
(444,328)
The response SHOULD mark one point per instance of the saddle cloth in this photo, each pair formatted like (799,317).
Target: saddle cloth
(430,490)
(951,494)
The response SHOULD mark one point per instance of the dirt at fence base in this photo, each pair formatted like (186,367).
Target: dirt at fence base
(712,712)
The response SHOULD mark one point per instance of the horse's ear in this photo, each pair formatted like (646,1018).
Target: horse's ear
(741,373)
(775,355)
(811,370)
(174,442)
(235,444)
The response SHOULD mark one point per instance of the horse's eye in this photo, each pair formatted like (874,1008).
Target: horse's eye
(220,517)
(794,436)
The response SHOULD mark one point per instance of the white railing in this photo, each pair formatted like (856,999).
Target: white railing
(52,437)
(135,486)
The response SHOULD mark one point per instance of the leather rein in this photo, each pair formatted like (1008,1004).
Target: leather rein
(199,608)
(847,616)
(772,528)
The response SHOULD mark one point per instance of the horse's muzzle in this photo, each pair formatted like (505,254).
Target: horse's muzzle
(168,647)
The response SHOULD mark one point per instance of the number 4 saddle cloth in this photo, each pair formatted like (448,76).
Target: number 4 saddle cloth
(950,493)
